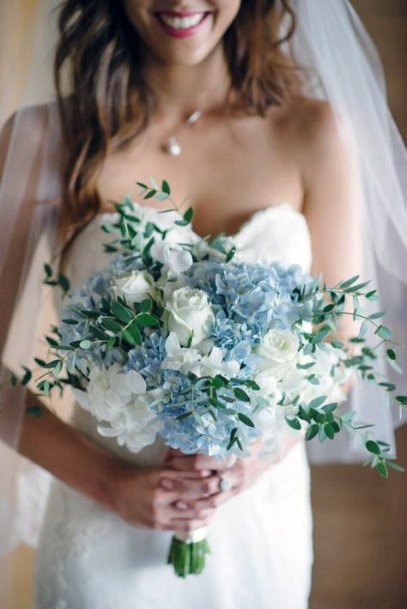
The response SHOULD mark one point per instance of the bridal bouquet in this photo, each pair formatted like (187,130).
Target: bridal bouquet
(181,338)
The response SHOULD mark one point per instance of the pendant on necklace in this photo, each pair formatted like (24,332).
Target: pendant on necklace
(172,147)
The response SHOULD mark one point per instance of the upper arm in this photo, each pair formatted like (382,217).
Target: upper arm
(333,196)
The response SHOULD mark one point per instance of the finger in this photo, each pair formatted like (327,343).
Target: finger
(176,474)
(187,512)
(199,462)
(187,525)
(173,452)
(214,501)
(191,488)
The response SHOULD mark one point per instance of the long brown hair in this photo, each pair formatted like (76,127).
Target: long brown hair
(109,102)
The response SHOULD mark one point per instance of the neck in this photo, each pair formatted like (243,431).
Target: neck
(182,89)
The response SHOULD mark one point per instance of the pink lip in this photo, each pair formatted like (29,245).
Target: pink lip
(181,33)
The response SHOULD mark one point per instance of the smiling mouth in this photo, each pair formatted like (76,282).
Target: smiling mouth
(182,23)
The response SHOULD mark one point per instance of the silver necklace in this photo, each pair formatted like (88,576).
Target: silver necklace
(172,146)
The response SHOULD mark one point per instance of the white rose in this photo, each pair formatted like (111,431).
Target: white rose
(278,346)
(134,287)
(176,258)
(189,313)
(278,350)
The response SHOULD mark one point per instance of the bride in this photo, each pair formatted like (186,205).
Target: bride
(204,94)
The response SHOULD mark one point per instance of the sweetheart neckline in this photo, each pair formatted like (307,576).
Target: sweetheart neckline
(271,209)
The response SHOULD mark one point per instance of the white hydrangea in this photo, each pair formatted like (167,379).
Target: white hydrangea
(120,401)
(187,359)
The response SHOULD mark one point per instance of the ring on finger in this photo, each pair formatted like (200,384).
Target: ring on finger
(225,484)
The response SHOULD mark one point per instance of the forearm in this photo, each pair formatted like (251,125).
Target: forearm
(68,454)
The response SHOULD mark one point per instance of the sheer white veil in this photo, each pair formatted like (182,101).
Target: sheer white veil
(345,70)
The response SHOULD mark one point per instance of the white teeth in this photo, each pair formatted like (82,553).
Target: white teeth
(181,23)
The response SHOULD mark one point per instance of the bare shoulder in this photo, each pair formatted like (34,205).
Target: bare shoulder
(316,136)
(310,124)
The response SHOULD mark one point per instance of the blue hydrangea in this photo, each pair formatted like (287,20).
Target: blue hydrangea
(247,299)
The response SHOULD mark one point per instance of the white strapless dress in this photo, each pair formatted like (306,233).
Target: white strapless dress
(261,540)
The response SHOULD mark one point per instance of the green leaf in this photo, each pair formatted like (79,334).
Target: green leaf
(311,431)
(188,215)
(107,228)
(27,376)
(34,411)
(218,381)
(321,334)
(382,469)
(348,282)
(373,447)
(329,430)
(85,344)
(63,282)
(184,415)
(48,270)
(319,417)
(44,387)
(383,332)
(241,395)
(329,407)
(121,311)
(40,362)
(232,440)
(317,401)
(305,366)
(145,319)
(358,287)
(145,306)
(402,399)
(51,341)
(230,254)
(376,315)
(150,194)
(395,466)
(348,416)
(133,332)
(70,322)
(391,354)
(111,324)
(245,419)
(165,187)
(109,249)
(372,295)
(294,423)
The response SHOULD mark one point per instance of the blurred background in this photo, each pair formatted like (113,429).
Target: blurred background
(360,519)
